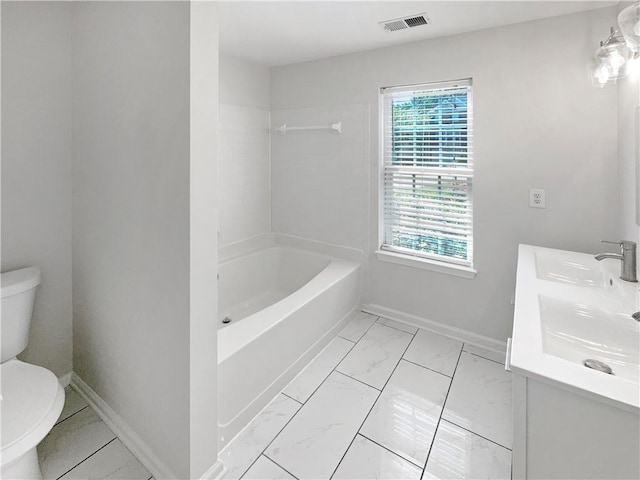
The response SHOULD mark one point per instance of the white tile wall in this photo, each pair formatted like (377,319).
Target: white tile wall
(320,178)
(243,175)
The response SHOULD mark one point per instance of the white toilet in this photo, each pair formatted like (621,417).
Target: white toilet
(32,397)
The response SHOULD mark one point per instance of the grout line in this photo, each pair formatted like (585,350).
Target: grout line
(262,452)
(390,451)
(67,418)
(289,396)
(365,332)
(427,368)
(272,460)
(87,458)
(327,376)
(435,432)
(345,338)
(478,355)
(355,379)
(372,406)
(476,434)
(395,328)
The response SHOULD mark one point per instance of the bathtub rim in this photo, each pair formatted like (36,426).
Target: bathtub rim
(237,336)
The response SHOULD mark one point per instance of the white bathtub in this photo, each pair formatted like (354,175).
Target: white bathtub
(285,305)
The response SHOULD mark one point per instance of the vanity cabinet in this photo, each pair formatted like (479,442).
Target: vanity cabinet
(563,434)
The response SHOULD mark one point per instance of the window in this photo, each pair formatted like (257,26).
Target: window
(428,171)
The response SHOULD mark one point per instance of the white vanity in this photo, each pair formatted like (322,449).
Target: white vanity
(571,421)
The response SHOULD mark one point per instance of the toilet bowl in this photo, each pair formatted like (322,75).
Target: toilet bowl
(31,396)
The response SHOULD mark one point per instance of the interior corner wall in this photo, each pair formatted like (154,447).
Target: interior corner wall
(204,139)
(131,207)
(36,168)
(244,186)
(538,123)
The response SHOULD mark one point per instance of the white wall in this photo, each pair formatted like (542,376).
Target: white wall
(36,168)
(131,211)
(538,124)
(203,253)
(243,183)
(244,84)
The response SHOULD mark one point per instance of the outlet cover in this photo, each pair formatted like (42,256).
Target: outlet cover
(537,198)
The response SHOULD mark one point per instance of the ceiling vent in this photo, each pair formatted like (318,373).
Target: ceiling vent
(405,22)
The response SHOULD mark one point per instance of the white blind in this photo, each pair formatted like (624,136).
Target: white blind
(428,171)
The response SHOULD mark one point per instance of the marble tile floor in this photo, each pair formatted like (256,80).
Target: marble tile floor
(81,446)
(384,400)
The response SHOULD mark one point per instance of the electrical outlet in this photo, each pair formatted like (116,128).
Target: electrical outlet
(536,198)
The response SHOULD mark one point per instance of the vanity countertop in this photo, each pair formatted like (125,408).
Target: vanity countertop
(570,308)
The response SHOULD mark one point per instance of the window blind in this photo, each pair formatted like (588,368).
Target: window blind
(428,171)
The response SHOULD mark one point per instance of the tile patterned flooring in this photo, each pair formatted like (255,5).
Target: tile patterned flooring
(384,400)
(81,446)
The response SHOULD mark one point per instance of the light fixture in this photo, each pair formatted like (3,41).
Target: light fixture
(611,59)
(629,23)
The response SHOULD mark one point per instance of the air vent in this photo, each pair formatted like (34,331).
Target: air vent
(405,22)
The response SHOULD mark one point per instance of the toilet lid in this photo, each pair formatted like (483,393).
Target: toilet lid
(32,399)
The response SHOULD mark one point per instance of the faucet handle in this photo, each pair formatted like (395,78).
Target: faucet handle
(622,243)
(619,243)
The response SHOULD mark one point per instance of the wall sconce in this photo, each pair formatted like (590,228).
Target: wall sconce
(611,59)
(622,45)
(629,22)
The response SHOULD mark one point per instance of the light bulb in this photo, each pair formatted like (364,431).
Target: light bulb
(615,59)
(603,73)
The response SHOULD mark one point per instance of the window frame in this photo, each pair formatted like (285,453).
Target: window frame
(416,258)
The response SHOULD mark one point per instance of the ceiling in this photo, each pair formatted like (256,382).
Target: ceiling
(273,33)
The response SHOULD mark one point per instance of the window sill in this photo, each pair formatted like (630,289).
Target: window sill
(426,264)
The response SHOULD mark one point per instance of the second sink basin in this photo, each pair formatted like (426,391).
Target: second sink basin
(570,269)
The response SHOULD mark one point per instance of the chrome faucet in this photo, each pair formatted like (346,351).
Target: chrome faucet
(627,255)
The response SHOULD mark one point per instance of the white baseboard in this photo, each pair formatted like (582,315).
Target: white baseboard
(125,433)
(216,472)
(65,380)
(453,332)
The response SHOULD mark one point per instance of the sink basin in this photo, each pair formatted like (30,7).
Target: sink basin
(576,269)
(570,308)
(576,332)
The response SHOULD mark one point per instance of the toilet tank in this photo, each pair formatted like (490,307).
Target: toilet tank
(17,290)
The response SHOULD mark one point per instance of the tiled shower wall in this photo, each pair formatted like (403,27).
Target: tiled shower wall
(319,177)
(243,176)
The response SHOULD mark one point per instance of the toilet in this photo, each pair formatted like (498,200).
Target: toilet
(32,397)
